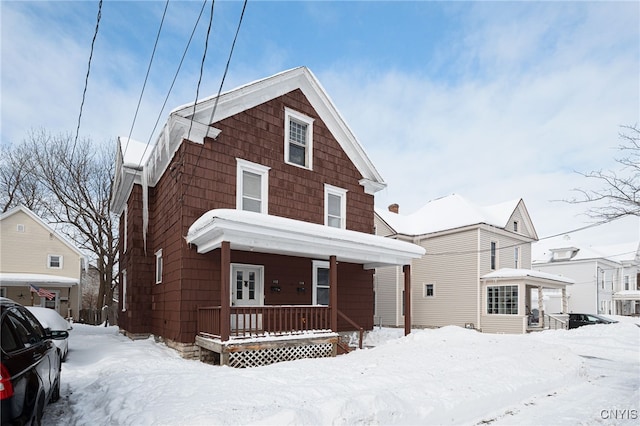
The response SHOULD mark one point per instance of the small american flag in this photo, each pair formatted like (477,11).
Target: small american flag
(42,292)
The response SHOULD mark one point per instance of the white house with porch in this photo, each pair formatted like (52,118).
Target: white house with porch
(38,265)
(606,277)
(476,272)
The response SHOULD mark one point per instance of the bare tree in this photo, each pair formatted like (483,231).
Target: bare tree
(18,183)
(74,186)
(619,194)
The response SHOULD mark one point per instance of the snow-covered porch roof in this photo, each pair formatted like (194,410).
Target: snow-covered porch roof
(9,279)
(251,231)
(627,295)
(529,277)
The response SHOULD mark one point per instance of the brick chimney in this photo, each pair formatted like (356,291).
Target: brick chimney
(394,208)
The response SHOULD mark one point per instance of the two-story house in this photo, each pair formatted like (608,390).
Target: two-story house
(247,229)
(476,270)
(606,277)
(38,266)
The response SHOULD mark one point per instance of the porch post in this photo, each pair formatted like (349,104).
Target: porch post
(333,292)
(565,304)
(540,308)
(225,273)
(406,269)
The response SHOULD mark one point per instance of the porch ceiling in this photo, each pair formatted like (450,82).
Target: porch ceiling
(529,277)
(262,233)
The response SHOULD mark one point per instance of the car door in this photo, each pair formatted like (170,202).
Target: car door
(37,346)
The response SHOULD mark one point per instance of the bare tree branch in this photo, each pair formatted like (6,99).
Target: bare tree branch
(619,193)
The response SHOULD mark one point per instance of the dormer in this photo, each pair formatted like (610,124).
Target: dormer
(562,254)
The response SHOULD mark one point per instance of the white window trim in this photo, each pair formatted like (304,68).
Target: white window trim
(259,169)
(49,261)
(124,290)
(159,266)
(495,266)
(290,114)
(20,227)
(317,264)
(424,290)
(340,192)
(503,287)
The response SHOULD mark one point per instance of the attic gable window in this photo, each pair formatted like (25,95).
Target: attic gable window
(252,186)
(298,139)
(54,261)
(515,226)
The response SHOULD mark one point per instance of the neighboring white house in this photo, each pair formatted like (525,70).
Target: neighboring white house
(38,266)
(476,270)
(606,277)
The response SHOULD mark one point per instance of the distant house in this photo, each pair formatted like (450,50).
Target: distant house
(476,270)
(39,266)
(250,218)
(606,277)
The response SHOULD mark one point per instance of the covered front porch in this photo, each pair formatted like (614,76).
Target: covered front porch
(243,330)
(508,305)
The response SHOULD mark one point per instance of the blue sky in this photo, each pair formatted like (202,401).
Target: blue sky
(491,100)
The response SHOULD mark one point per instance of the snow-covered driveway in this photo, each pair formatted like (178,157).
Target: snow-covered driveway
(451,375)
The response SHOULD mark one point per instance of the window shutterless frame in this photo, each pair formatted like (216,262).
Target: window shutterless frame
(298,139)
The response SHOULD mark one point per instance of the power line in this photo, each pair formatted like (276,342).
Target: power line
(86,80)
(215,105)
(175,77)
(462,252)
(146,77)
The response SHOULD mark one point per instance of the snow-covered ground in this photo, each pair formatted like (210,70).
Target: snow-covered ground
(589,375)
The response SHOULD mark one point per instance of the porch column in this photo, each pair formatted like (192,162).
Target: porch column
(565,304)
(333,292)
(225,288)
(406,269)
(540,308)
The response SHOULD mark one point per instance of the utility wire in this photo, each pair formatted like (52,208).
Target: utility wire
(204,56)
(446,253)
(86,80)
(146,77)
(175,77)
(215,105)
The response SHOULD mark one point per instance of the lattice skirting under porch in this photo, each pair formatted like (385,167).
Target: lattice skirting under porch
(243,354)
(258,357)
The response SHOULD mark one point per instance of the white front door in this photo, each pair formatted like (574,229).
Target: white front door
(246,291)
(246,285)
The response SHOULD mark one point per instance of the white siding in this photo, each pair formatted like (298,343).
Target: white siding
(27,251)
(451,265)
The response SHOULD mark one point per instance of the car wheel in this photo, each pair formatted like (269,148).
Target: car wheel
(38,412)
(55,394)
(64,356)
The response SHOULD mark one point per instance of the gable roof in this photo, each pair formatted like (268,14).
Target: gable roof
(183,122)
(452,212)
(43,224)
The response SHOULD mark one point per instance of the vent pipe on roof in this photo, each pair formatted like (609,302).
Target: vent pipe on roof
(394,208)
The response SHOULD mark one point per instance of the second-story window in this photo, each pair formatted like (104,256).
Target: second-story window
(54,261)
(335,206)
(252,187)
(298,139)
(516,256)
(494,255)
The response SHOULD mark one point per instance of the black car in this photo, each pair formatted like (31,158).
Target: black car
(30,367)
(578,320)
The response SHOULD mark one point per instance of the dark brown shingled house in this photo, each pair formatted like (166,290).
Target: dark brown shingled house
(247,229)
